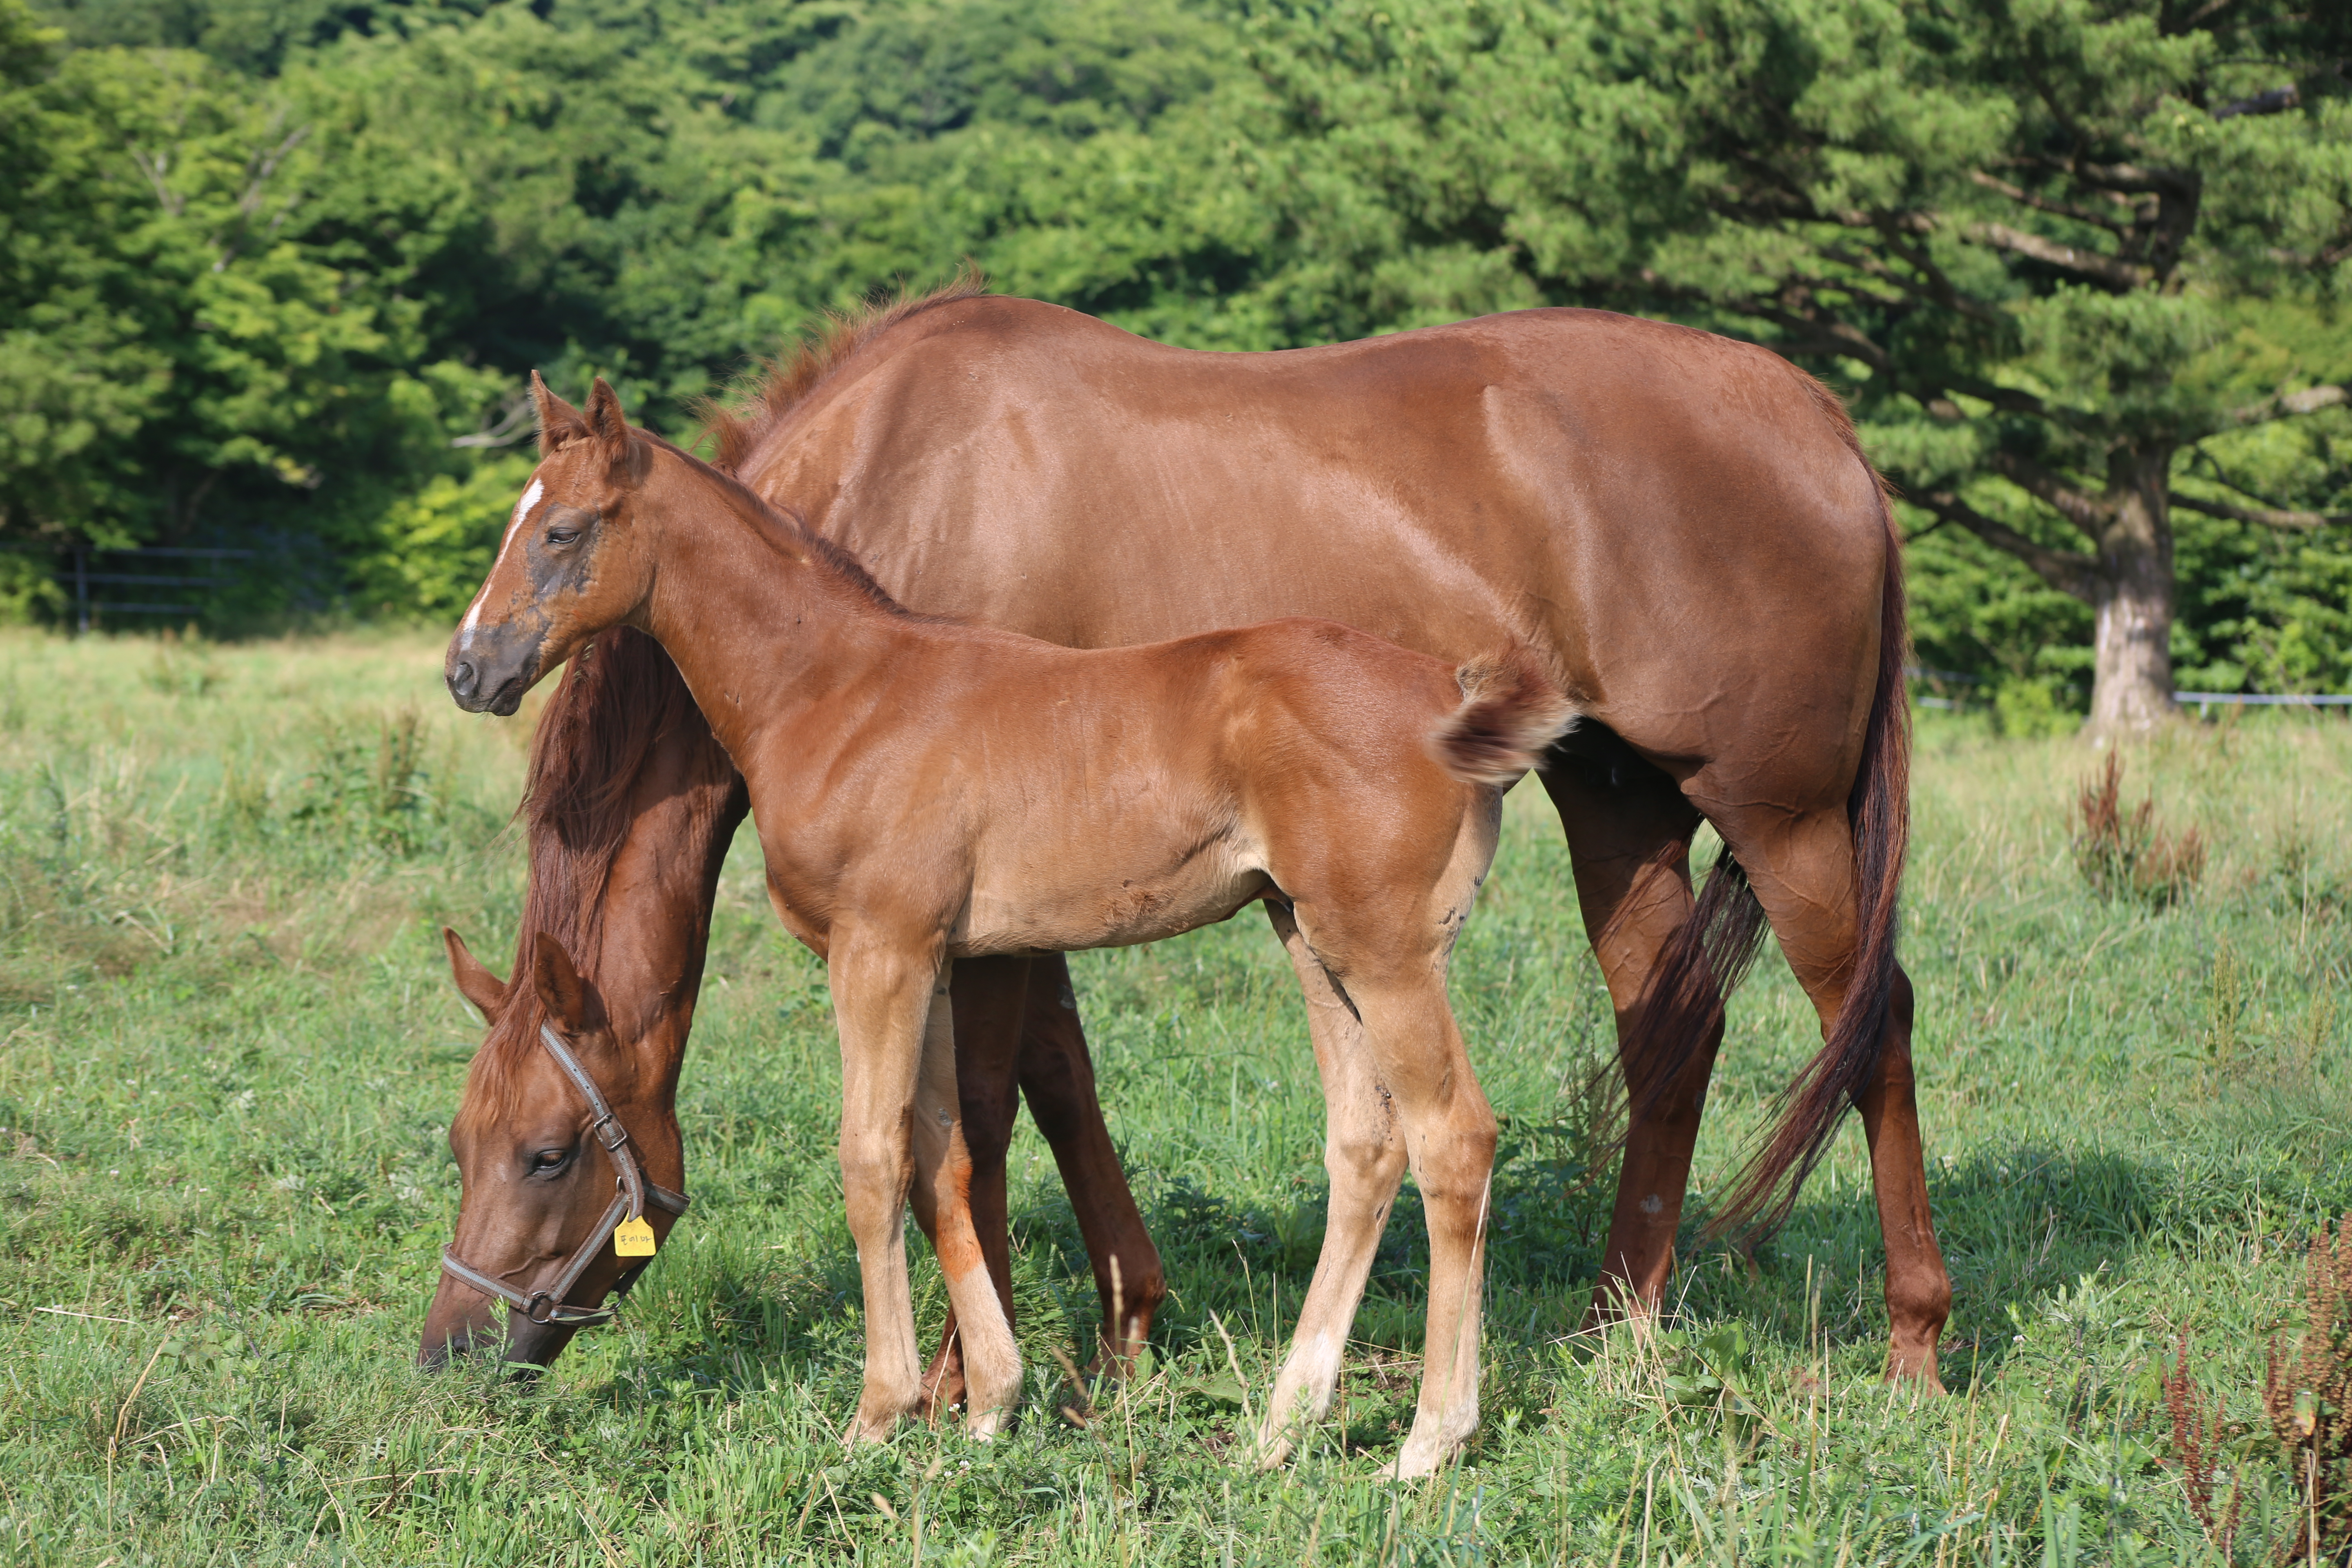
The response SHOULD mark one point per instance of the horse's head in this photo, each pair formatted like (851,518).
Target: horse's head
(568,566)
(537,1179)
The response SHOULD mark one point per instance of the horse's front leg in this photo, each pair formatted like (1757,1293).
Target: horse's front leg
(882,997)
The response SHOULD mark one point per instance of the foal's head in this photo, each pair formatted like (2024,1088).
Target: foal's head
(570,564)
(536,1179)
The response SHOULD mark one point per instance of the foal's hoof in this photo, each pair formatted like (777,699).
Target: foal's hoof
(871,1426)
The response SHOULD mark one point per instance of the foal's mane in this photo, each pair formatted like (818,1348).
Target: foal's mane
(740,422)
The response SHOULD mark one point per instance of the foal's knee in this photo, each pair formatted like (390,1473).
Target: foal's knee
(1458,1162)
(1368,1156)
(875,1167)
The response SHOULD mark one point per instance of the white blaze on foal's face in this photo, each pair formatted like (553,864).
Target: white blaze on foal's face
(514,525)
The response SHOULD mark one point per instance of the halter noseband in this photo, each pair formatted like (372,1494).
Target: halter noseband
(628,1202)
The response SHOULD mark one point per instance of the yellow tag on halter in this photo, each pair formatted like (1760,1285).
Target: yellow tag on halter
(633,1238)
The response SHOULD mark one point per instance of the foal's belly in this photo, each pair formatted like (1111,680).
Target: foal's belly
(1071,905)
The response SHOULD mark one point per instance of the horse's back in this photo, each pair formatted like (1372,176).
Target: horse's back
(1674,518)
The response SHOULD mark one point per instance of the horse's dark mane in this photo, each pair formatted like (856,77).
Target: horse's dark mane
(739,424)
(617,700)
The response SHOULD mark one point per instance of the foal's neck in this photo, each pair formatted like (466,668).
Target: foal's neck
(760,620)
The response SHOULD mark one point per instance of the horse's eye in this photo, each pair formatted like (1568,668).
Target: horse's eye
(552,1160)
(561,535)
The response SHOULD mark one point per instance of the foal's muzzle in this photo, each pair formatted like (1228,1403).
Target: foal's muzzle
(490,673)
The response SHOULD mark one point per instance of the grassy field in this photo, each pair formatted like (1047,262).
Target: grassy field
(229,1052)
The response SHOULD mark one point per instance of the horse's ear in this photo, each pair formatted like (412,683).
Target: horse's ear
(476,984)
(559,422)
(560,989)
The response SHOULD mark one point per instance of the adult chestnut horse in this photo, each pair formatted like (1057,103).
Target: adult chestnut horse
(1683,525)
(631,805)
(927,790)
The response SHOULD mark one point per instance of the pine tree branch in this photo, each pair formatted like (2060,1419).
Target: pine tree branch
(2084,511)
(2266,516)
(2135,178)
(2024,197)
(2082,263)
(2310,400)
(2064,570)
(2278,100)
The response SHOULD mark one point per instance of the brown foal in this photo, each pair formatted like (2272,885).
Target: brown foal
(925,791)
(631,807)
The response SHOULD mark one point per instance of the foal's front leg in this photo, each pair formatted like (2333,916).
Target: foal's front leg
(942,1194)
(882,1000)
(900,1128)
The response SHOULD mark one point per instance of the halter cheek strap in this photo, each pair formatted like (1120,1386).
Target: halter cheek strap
(634,1192)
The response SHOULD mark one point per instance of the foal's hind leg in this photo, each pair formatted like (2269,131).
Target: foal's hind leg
(1629,833)
(1364,1153)
(1803,871)
(1449,1136)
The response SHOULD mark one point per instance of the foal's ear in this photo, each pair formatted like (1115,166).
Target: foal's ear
(559,422)
(560,989)
(476,984)
(625,457)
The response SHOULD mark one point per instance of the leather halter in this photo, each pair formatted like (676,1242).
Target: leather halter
(634,1192)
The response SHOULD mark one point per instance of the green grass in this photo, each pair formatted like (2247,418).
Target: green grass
(229,1051)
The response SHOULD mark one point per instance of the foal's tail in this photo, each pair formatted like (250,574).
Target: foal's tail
(1510,713)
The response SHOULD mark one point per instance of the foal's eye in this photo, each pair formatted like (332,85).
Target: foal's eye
(552,1160)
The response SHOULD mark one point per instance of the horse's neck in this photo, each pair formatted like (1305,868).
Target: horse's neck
(654,927)
(759,627)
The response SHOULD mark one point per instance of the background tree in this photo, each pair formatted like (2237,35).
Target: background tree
(272,271)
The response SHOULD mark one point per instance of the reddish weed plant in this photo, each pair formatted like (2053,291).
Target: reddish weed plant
(2126,854)
(2200,1433)
(2307,1396)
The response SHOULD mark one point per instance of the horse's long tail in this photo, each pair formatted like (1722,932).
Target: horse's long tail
(1878,808)
(1510,714)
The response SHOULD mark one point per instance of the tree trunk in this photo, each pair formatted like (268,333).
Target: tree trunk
(2133,688)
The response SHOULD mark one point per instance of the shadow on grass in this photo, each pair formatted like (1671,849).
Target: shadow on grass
(2018,1223)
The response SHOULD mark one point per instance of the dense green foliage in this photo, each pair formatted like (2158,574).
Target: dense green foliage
(229,1050)
(265,260)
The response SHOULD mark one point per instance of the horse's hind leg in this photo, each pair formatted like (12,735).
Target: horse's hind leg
(1802,869)
(1629,831)
(1918,1290)
(1364,1153)
(1058,1078)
